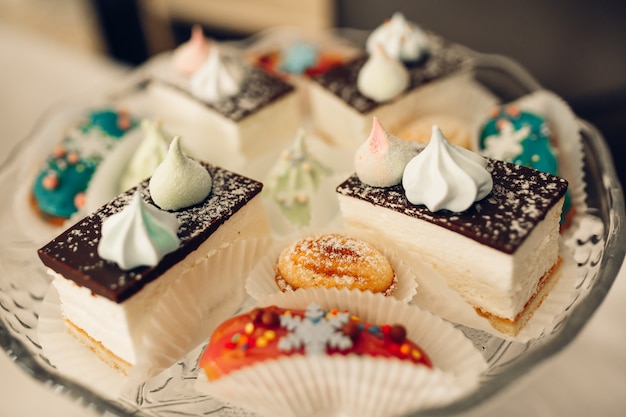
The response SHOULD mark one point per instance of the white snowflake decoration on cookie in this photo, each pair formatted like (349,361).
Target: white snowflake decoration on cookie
(317,331)
(506,145)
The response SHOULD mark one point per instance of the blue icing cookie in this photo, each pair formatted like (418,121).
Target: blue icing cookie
(59,187)
(522,138)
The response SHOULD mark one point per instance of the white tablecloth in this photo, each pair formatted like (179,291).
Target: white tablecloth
(587,378)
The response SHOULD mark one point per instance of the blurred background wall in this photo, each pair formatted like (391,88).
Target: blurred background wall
(576,48)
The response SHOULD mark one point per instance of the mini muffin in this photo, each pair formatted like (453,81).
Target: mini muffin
(334,261)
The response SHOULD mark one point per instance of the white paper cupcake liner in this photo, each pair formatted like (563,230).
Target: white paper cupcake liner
(435,296)
(193,305)
(261,282)
(351,385)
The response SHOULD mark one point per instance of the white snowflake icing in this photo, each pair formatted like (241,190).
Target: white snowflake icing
(316,332)
(506,144)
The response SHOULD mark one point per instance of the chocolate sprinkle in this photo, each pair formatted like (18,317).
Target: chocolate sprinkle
(520,199)
(443,59)
(74,255)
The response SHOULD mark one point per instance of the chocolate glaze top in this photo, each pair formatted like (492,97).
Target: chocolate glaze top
(74,254)
(259,89)
(443,59)
(520,199)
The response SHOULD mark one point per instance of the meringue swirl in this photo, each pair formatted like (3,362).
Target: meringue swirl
(381,159)
(401,39)
(217,78)
(445,176)
(179,181)
(190,56)
(150,153)
(139,235)
(382,78)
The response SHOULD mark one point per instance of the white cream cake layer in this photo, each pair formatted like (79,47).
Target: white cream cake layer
(489,279)
(264,126)
(120,326)
(494,253)
(111,304)
(347,127)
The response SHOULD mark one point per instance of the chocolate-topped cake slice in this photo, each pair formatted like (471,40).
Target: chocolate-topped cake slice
(226,102)
(115,264)
(345,98)
(499,251)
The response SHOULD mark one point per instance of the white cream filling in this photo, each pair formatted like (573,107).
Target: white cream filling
(348,128)
(204,130)
(120,326)
(494,281)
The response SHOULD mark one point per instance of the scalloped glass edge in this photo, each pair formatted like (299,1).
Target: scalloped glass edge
(599,171)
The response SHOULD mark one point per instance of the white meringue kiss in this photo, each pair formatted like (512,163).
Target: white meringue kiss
(139,235)
(445,176)
(217,78)
(382,78)
(179,181)
(401,39)
(150,153)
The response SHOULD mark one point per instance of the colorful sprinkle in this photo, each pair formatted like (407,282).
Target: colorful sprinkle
(80,200)
(72,157)
(249,328)
(50,181)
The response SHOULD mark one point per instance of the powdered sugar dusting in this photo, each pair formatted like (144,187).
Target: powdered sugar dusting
(339,261)
(520,199)
(444,59)
(257,91)
(74,253)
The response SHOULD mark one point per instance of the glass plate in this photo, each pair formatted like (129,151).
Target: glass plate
(598,244)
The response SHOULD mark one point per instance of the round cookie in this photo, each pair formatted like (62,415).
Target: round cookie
(59,188)
(520,137)
(334,261)
(420,130)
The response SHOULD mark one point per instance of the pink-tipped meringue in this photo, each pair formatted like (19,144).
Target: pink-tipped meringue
(189,56)
(381,159)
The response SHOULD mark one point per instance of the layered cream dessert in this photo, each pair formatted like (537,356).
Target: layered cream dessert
(490,228)
(111,268)
(218,100)
(401,68)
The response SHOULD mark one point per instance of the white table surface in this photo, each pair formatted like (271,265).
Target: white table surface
(587,378)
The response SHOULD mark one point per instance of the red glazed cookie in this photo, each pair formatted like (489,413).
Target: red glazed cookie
(272,332)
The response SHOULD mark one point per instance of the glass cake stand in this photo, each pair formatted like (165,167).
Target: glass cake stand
(598,248)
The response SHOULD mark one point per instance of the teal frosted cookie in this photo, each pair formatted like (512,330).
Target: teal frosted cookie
(523,138)
(520,137)
(59,187)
